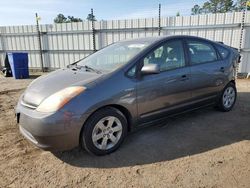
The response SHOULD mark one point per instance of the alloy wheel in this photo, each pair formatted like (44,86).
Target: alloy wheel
(107,132)
(228,97)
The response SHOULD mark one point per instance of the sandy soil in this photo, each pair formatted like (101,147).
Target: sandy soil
(205,148)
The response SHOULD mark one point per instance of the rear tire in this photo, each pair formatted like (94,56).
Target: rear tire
(104,131)
(227,98)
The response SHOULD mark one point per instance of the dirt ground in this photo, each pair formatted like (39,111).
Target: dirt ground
(205,148)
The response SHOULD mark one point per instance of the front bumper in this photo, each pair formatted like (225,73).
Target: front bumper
(54,132)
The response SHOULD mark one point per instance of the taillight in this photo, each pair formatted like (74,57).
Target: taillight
(239,59)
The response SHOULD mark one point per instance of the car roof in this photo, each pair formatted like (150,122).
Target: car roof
(160,38)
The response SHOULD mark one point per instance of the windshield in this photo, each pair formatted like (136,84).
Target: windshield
(114,56)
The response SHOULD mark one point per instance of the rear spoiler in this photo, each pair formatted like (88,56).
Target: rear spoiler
(220,42)
(239,59)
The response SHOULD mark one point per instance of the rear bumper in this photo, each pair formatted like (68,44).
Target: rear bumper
(59,131)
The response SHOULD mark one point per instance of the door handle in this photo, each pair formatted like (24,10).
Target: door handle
(222,69)
(184,77)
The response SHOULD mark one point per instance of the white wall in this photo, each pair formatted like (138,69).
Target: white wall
(66,43)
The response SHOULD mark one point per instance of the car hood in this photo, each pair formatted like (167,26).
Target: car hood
(47,85)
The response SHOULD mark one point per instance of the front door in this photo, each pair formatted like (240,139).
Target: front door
(157,93)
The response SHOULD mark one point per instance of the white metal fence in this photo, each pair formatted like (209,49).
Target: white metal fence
(63,44)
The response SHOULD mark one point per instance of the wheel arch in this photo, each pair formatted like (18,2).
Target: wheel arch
(121,108)
(233,81)
(125,112)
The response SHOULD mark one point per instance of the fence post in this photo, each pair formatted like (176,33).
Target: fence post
(159,20)
(93,29)
(242,25)
(39,42)
(3,46)
(45,48)
(242,28)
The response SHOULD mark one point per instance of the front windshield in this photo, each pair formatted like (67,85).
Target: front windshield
(114,56)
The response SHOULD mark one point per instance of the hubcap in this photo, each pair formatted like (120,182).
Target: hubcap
(228,97)
(107,132)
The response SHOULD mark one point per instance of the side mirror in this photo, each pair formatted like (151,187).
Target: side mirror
(150,69)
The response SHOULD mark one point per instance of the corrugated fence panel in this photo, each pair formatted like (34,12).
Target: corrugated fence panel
(66,43)
(246,46)
(2,43)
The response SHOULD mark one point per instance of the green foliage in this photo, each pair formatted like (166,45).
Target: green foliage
(219,6)
(178,13)
(73,19)
(241,5)
(196,10)
(62,19)
(91,17)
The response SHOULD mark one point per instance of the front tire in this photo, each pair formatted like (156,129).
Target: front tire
(104,131)
(227,98)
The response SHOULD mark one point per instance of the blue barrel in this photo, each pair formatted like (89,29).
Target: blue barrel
(19,65)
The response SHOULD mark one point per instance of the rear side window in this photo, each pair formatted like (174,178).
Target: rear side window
(223,51)
(201,52)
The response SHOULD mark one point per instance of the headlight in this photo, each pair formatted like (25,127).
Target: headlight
(59,99)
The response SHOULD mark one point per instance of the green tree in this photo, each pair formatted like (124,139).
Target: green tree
(62,19)
(196,10)
(178,13)
(240,5)
(91,17)
(73,19)
(214,6)
(218,6)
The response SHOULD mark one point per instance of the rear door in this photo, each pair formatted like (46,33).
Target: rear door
(208,70)
(157,93)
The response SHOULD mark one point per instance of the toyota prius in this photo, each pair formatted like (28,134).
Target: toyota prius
(96,101)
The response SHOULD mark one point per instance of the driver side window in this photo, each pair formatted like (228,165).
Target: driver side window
(168,56)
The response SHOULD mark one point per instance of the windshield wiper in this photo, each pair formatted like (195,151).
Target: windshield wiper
(74,66)
(88,68)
